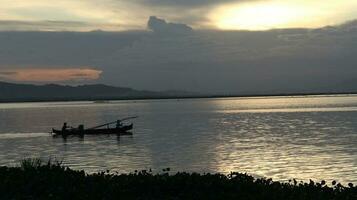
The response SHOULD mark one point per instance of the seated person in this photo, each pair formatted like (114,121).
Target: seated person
(119,124)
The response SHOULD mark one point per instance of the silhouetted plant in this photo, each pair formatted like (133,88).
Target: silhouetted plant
(35,163)
(35,179)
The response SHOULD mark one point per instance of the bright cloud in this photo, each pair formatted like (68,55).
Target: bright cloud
(225,14)
(108,12)
(262,15)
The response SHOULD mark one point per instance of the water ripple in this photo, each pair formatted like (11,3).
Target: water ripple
(282,138)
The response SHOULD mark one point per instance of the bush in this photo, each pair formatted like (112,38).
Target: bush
(35,179)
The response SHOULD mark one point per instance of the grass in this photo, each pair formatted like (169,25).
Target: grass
(35,179)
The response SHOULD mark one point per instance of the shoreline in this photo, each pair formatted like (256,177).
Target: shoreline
(296,95)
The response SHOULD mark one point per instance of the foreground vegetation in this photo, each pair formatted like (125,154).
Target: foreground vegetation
(34,179)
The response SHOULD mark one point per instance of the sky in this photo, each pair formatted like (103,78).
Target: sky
(114,15)
(206,46)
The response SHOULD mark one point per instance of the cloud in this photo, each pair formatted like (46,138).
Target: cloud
(230,62)
(270,14)
(187,3)
(161,26)
(15,25)
(50,75)
(75,26)
(286,60)
(108,14)
(104,14)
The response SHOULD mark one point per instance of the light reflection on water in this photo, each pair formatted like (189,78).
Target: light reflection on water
(282,138)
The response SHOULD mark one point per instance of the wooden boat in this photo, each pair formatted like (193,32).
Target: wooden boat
(75,131)
(120,129)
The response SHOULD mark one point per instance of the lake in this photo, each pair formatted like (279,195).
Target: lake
(312,137)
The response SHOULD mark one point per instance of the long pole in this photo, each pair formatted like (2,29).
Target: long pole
(107,124)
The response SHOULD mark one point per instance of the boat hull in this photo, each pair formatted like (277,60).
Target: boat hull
(120,131)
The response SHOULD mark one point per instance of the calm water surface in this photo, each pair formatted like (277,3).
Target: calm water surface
(280,137)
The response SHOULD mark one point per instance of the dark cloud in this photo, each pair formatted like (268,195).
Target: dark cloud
(39,25)
(286,60)
(161,26)
(15,25)
(7,73)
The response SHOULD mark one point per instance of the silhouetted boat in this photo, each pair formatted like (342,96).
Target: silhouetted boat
(74,131)
(120,129)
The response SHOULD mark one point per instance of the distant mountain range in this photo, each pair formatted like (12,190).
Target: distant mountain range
(11,92)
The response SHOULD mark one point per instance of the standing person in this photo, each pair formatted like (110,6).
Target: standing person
(64,127)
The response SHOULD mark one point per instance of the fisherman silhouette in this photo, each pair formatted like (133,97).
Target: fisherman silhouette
(64,127)
(81,129)
(119,124)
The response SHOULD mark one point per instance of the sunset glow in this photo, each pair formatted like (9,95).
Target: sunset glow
(50,75)
(263,15)
(87,15)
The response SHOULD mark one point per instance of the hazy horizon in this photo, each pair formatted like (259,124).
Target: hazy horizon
(286,47)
